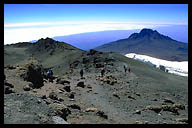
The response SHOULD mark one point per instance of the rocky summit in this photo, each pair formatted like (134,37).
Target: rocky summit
(142,95)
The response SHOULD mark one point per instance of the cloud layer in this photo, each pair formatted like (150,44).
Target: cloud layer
(25,32)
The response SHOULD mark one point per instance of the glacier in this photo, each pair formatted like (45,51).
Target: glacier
(174,67)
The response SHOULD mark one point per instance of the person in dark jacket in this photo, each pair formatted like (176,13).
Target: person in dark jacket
(81,73)
(125,68)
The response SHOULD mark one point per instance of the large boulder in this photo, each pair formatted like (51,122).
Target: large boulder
(154,108)
(8,88)
(34,75)
(81,84)
(61,109)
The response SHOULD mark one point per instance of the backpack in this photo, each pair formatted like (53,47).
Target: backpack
(48,73)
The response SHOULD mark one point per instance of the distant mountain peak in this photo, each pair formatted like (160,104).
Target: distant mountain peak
(148,33)
(147,30)
(46,40)
(49,45)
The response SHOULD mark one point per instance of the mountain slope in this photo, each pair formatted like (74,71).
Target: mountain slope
(151,43)
(113,98)
(48,52)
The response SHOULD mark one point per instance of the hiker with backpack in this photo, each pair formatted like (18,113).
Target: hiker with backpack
(81,73)
(50,75)
(102,72)
(125,68)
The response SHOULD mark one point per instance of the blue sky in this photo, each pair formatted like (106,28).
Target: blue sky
(66,19)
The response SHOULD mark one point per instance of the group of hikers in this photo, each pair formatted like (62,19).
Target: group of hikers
(126,68)
(103,71)
(49,73)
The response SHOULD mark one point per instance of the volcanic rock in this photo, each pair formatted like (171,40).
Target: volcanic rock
(90,109)
(61,109)
(170,108)
(131,97)
(74,106)
(80,84)
(115,94)
(8,84)
(102,114)
(34,75)
(185,120)
(8,90)
(53,96)
(67,88)
(71,95)
(154,108)
(179,106)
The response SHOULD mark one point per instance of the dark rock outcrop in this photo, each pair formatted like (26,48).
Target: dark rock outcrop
(81,84)
(61,110)
(102,114)
(67,88)
(53,96)
(8,88)
(74,106)
(34,75)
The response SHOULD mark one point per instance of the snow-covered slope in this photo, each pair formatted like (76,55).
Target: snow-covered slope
(178,68)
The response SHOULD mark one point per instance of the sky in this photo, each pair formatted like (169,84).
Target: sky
(26,22)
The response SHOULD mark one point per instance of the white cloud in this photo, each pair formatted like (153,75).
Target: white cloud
(24,32)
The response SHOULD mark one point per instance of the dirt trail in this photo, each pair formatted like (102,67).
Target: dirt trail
(101,97)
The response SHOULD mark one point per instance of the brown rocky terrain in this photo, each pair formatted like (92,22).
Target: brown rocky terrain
(145,95)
